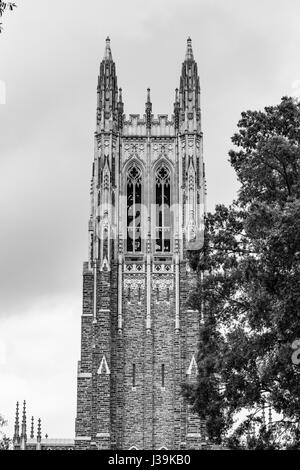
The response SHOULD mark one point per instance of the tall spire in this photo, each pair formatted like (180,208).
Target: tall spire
(189,50)
(189,92)
(23,433)
(148,109)
(177,109)
(32,428)
(17,426)
(120,107)
(39,435)
(107,92)
(107,54)
(24,419)
(39,430)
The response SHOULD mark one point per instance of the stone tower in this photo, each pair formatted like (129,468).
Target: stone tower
(139,338)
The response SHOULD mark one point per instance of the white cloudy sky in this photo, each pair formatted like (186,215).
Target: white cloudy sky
(248,57)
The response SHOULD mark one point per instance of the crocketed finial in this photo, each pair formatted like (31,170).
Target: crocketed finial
(176,109)
(39,436)
(189,50)
(24,419)
(39,430)
(107,54)
(23,432)
(148,96)
(32,428)
(17,424)
(148,109)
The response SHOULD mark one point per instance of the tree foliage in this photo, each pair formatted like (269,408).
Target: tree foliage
(3,7)
(4,440)
(251,287)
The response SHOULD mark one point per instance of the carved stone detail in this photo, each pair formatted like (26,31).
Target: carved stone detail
(134,268)
(134,283)
(163,150)
(163,268)
(134,150)
(162,284)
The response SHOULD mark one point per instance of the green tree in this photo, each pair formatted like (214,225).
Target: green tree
(3,7)
(251,287)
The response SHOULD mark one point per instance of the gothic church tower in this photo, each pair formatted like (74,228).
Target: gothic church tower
(139,338)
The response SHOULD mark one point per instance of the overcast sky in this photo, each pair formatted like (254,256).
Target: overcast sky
(50,50)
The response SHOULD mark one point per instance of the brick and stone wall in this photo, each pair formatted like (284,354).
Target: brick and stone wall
(135,399)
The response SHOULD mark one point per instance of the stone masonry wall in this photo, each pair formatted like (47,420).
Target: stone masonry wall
(112,410)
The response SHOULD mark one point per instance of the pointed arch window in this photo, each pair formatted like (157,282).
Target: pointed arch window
(163,209)
(134,201)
